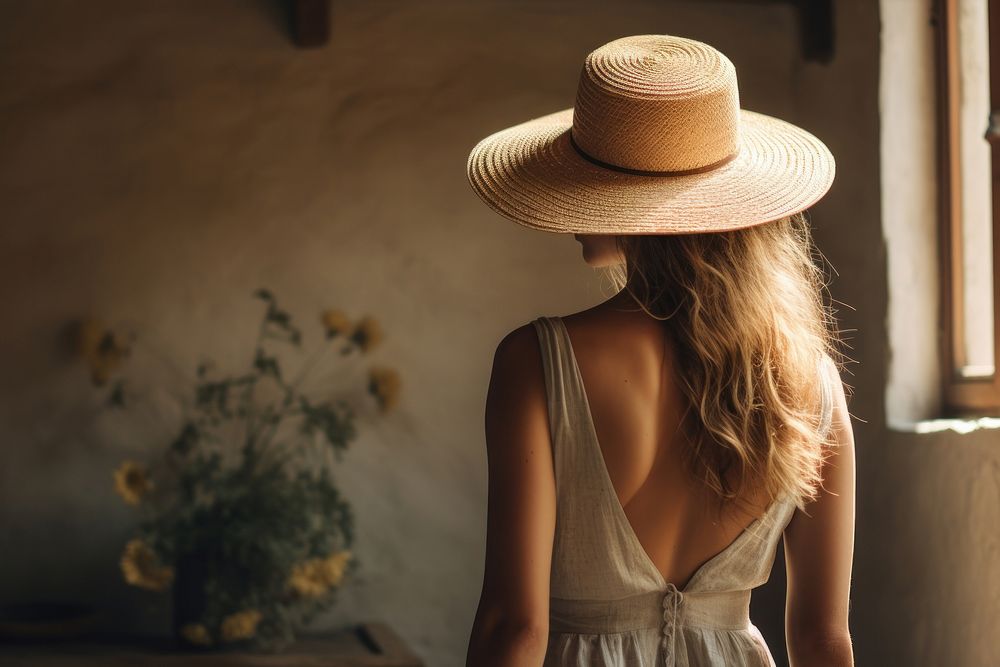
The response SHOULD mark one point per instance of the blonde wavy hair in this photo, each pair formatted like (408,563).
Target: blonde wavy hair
(746,313)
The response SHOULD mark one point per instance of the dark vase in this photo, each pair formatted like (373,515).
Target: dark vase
(190,574)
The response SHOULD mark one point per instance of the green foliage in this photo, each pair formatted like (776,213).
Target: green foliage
(236,521)
(334,422)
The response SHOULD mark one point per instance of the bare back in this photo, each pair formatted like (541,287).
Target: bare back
(630,377)
(597,536)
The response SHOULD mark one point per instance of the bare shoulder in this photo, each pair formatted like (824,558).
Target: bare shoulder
(840,426)
(519,340)
(518,353)
(517,380)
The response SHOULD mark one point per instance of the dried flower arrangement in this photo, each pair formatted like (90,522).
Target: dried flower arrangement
(253,536)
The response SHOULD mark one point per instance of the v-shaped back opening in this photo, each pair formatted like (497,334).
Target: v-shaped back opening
(574,375)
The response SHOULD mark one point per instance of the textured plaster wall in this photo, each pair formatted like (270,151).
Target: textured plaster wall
(909,209)
(933,514)
(161,160)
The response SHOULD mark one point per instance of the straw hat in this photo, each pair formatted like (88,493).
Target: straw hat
(656,144)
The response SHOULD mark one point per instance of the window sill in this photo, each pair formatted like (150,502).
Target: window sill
(958,425)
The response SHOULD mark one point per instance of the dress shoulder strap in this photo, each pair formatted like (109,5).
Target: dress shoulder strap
(566,399)
(552,366)
(595,554)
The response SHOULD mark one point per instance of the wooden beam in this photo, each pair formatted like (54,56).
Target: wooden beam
(816,29)
(310,22)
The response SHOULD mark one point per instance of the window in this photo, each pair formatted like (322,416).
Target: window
(969,168)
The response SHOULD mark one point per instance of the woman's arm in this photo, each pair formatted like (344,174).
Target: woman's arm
(819,549)
(511,626)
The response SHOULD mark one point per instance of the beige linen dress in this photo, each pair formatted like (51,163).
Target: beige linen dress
(609,604)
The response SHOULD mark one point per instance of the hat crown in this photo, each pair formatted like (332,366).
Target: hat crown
(657,103)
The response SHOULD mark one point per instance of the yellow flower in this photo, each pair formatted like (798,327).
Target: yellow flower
(102,349)
(332,567)
(197,634)
(316,576)
(305,580)
(384,384)
(241,625)
(140,567)
(367,334)
(335,322)
(132,482)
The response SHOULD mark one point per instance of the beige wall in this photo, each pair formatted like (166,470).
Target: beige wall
(160,161)
(934,497)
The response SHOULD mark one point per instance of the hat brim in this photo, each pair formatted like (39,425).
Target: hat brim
(532,174)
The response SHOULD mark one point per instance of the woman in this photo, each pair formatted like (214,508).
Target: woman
(646,455)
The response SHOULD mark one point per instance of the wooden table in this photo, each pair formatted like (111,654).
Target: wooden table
(364,645)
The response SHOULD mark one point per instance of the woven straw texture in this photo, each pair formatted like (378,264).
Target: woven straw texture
(656,143)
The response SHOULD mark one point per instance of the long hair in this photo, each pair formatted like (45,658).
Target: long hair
(746,314)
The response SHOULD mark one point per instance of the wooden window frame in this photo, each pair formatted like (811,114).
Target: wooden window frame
(963,396)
